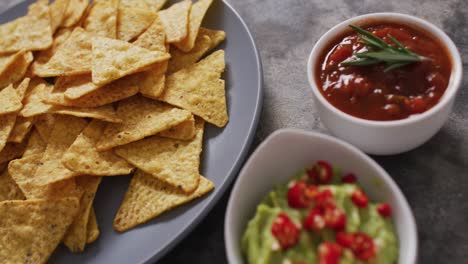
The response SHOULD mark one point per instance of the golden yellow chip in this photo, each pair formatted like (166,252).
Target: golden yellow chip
(16,71)
(7,122)
(196,17)
(70,58)
(76,236)
(11,151)
(132,22)
(7,59)
(206,40)
(83,157)
(153,5)
(141,117)
(41,59)
(34,101)
(22,88)
(74,12)
(9,190)
(31,32)
(183,131)
(102,19)
(92,228)
(153,38)
(113,92)
(10,101)
(148,197)
(44,125)
(31,230)
(113,59)
(104,113)
(66,130)
(175,20)
(57,13)
(198,89)
(173,161)
(35,144)
(21,129)
(75,86)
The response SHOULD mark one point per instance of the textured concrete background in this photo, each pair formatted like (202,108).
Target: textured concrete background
(434,177)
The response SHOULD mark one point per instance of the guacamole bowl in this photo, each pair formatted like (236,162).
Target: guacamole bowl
(288,151)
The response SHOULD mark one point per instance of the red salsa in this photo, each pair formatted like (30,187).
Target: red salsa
(369,92)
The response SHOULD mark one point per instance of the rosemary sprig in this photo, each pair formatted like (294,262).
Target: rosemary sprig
(381,52)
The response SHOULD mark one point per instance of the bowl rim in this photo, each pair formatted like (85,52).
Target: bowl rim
(407,214)
(450,92)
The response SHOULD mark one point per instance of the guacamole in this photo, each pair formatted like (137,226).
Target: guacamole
(320,217)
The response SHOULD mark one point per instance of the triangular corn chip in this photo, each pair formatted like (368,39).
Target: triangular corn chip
(31,32)
(40,66)
(58,11)
(70,58)
(83,157)
(102,19)
(9,190)
(113,59)
(154,37)
(66,130)
(16,71)
(34,101)
(22,127)
(132,22)
(206,40)
(173,161)
(7,122)
(35,144)
(11,151)
(153,5)
(198,89)
(23,172)
(175,20)
(92,232)
(22,88)
(105,113)
(10,101)
(75,86)
(196,17)
(31,230)
(44,125)
(183,131)
(75,10)
(76,236)
(7,59)
(141,117)
(147,197)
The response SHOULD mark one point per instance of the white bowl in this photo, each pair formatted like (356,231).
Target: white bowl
(386,137)
(287,151)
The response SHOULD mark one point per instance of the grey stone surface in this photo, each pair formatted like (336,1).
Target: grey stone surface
(434,177)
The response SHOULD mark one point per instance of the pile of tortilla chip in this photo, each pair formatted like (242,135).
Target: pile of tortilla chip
(102,89)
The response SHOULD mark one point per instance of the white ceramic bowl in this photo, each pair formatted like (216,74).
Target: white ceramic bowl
(386,137)
(287,151)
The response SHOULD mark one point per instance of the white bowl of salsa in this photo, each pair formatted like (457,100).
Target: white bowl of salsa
(288,151)
(382,110)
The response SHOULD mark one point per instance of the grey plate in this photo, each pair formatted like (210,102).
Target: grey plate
(224,151)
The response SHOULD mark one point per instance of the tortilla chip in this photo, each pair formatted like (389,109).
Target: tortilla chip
(10,101)
(70,58)
(113,92)
(105,113)
(153,38)
(16,71)
(102,19)
(92,229)
(206,40)
(141,117)
(22,88)
(173,161)
(175,20)
(40,64)
(196,17)
(64,133)
(153,5)
(147,197)
(9,190)
(34,100)
(35,144)
(132,22)
(7,59)
(31,230)
(76,236)
(11,151)
(21,129)
(113,59)
(7,122)
(31,32)
(75,86)
(183,131)
(44,125)
(83,157)
(58,11)
(198,89)
(74,12)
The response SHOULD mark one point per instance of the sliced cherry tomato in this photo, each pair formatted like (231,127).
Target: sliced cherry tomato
(359,198)
(297,197)
(363,246)
(335,218)
(349,178)
(344,239)
(325,199)
(416,105)
(285,231)
(314,221)
(341,53)
(384,210)
(321,172)
(329,253)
